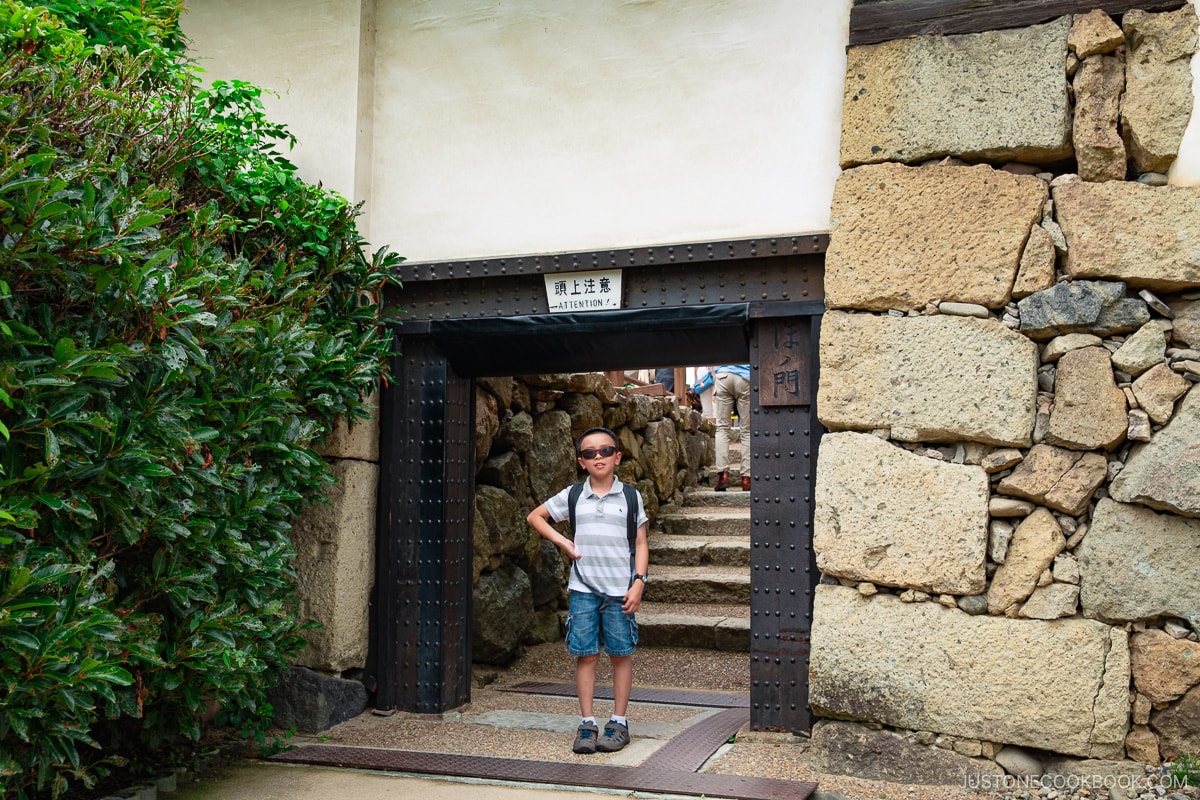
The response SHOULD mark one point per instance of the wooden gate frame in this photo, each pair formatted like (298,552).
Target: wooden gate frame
(420,616)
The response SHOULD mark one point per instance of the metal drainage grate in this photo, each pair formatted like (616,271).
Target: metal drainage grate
(638,779)
(688,751)
(677,697)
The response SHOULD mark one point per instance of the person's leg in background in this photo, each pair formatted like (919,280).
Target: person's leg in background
(742,390)
(723,399)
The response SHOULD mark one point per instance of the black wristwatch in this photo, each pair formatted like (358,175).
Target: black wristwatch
(643,578)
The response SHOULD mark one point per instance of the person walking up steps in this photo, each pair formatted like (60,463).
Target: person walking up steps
(731,384)
(610,557)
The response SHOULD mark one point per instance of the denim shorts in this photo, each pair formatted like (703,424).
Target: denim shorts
(592,618)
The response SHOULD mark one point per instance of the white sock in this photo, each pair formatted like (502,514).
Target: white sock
(620,720)
(587,720)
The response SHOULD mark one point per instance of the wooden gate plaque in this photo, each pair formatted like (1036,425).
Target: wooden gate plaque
(783,362)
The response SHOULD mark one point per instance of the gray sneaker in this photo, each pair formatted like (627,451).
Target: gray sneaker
(586,737)
(615,737)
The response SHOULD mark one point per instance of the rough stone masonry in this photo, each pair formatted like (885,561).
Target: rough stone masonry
(1008,498)
(525,433)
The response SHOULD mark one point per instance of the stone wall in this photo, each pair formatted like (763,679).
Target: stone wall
(1008,498)
(525,435)
(335,552)
(335,569)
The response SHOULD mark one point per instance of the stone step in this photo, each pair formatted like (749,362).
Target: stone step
(705,497)
(691,551)
(729,522)
(711,627)
(699,584)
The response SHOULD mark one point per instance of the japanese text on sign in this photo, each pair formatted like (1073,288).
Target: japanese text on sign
(784,363)
(583,291)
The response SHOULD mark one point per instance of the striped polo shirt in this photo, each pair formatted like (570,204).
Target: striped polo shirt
(601,537)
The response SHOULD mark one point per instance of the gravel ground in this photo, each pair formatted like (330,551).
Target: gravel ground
(678,668)
(753,754)
(758,754)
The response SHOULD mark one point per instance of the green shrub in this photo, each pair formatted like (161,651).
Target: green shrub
(58,640)
(1185,771)
(181,319)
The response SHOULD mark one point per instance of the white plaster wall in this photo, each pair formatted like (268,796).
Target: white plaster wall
(307,53)
(541,125)
(493,127)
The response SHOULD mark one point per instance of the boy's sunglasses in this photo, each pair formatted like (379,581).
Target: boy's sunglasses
(589,453)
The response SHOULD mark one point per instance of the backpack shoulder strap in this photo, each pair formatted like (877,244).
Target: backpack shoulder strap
(631,503)
(572,499)
(631,516)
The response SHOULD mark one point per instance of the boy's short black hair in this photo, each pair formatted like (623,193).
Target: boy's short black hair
(579,442)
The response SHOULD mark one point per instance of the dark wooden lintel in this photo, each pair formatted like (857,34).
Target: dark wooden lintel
(884,20)
(654,255)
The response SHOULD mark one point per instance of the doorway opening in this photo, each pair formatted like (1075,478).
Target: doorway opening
(421,616)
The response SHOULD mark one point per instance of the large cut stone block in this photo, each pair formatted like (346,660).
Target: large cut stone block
(1165,472)
(335,568)
(937,378)
(924,666)
(890,517)
(902,237)
(1139,565)
(997,96)
(357,438)
(1147,236)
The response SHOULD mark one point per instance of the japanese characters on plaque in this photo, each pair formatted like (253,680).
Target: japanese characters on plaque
(583,291)
(784,378)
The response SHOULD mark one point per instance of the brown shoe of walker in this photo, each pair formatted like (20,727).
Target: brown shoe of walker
(745,483)
(722,481)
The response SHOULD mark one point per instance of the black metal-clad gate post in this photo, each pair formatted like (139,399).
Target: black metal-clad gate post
(420,654)
(784,437)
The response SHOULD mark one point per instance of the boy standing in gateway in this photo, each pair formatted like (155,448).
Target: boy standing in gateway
(608,577)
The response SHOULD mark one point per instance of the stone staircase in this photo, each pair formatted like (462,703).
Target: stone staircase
(699,590)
